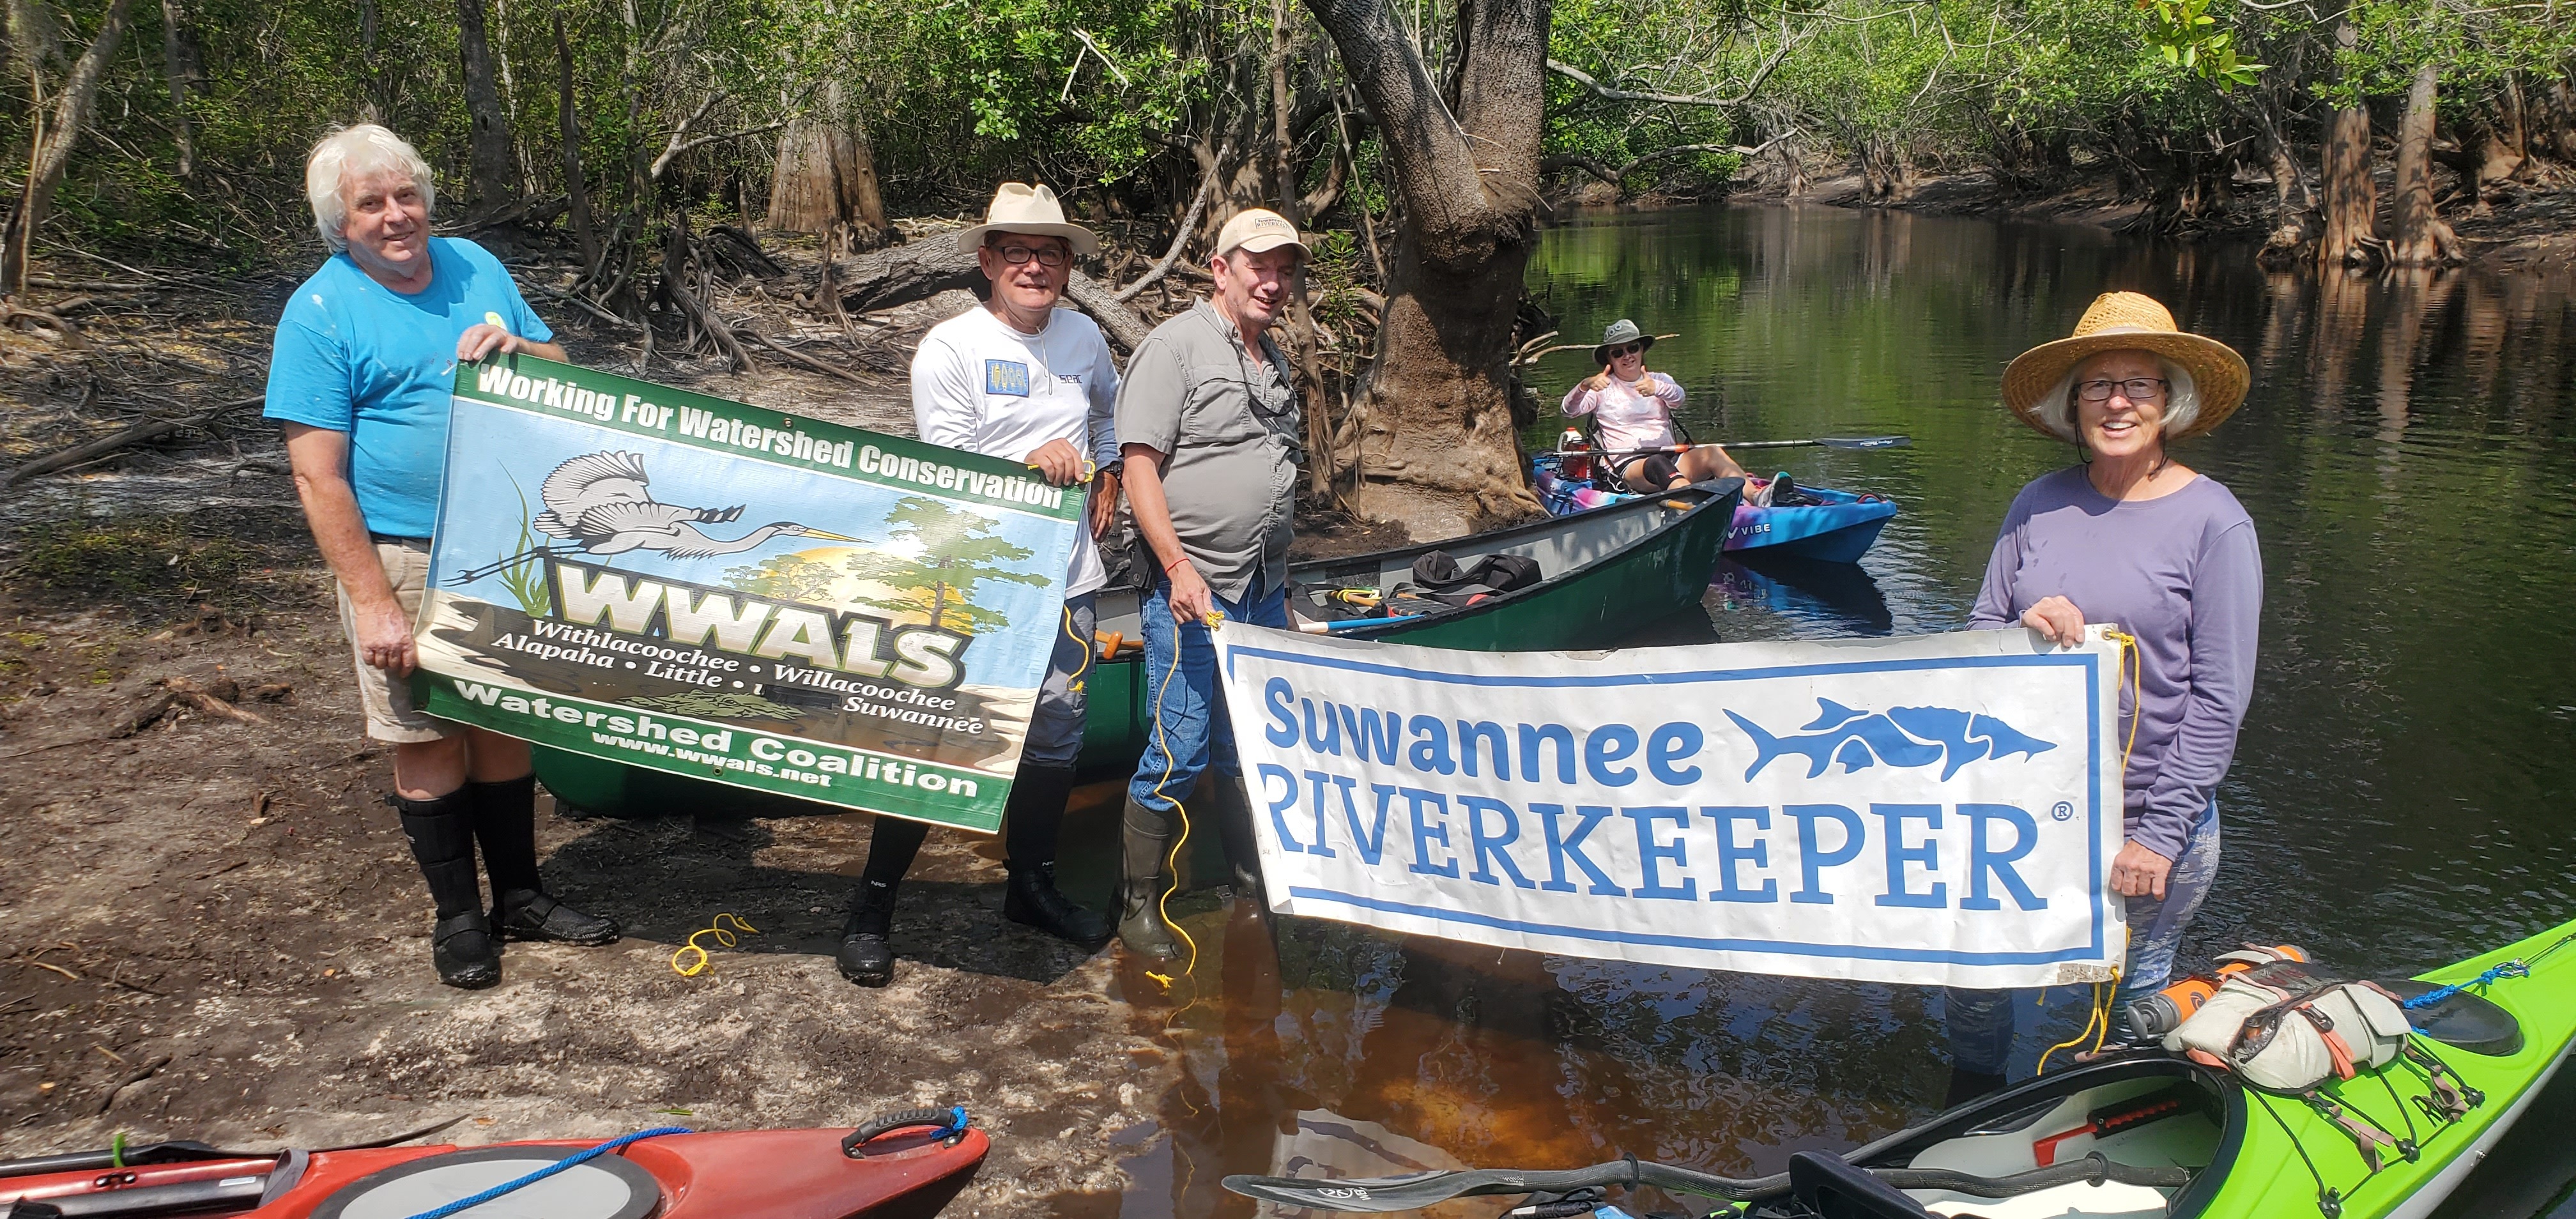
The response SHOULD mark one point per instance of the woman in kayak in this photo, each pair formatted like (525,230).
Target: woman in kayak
(1633,409)
(2135,538)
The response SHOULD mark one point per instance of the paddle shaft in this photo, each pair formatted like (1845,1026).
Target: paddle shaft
(1821,442)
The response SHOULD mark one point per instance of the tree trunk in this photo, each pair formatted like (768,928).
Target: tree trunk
(185,68)
(2351,201)
(1438,451)
(585,230)
(1282,103)
(494,183)
(2420,238)
(827,174)
(50,149)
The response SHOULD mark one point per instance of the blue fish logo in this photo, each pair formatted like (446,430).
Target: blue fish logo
(1898,736)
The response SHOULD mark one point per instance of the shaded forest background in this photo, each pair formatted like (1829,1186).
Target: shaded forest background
(192,145)
(644,161)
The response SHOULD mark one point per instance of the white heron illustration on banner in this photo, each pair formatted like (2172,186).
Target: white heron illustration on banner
(603,504)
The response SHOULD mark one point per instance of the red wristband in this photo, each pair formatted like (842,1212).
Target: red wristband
(1167,567)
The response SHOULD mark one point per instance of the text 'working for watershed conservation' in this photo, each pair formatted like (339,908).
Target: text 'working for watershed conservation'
(651,577)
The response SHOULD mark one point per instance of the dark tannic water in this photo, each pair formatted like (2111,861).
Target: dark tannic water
(2398,800)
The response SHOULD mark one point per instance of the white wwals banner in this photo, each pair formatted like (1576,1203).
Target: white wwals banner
(1936,810)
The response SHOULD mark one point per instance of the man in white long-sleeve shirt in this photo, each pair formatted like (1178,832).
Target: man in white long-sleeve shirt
(1018,378)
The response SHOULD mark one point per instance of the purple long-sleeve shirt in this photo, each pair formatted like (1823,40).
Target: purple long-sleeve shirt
(2183,574)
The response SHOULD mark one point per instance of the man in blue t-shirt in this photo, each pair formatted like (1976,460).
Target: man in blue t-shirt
(366,355)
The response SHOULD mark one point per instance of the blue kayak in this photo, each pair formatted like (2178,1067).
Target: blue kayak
(1839,530)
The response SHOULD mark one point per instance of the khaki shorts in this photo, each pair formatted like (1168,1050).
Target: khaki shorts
(391,717)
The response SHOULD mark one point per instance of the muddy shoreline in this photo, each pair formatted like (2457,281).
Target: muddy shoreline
(216,932)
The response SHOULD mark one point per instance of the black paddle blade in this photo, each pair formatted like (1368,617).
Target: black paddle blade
(1377,1195)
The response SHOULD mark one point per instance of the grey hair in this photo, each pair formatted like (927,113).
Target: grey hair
(2056,408)
(364,148)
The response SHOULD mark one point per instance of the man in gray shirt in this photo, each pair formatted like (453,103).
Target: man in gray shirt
(1208,420)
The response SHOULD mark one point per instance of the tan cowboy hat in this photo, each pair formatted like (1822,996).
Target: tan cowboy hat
(1021,208)
(2125,321)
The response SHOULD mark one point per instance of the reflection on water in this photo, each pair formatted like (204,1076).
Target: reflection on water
(1813,600)
(2408,453)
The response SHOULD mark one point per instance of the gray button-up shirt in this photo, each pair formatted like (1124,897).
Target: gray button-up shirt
(1227,420)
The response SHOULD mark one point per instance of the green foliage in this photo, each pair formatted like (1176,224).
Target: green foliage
(940,554)
(710,704)
(526,579)
(785,577)
(2188,37)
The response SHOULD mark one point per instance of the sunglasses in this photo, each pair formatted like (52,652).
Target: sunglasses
(1626,349)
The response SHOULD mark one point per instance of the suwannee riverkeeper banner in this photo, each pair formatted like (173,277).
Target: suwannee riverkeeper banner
(1933,810)
(654,577)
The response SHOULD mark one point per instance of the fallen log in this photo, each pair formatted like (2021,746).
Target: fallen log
(148,430)
(900,275)
(1119,320)
(828,370)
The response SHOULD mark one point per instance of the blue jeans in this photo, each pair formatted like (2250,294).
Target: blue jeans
(1984,1022)
(1189,732)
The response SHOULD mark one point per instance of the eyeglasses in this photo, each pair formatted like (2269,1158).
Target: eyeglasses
(1626,349)
(1019,255)
(2135,389)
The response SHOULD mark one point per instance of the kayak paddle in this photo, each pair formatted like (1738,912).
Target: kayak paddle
(1382,1194)
(1822,442)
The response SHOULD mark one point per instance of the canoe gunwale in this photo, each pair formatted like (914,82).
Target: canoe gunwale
(1726,492)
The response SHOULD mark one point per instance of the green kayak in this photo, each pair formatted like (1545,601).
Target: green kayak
(1603,573)
(2143,1133)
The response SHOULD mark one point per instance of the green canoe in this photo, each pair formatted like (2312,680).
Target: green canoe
(1604,573)
(2144,1133)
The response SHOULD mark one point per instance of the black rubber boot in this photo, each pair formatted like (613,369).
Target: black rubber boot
(1030,826)
(1231,809)
(867,949)
(1967,1085)
(505,822)
(1033,899)
(466,952)
(441,831)
(1144,839)
(534,914)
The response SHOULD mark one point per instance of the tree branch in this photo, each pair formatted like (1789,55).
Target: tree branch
(1595,168)
(678,137)
(1189,226)
(1608,93)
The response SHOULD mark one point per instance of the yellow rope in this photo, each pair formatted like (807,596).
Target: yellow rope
(724,939)
(2096,1026)
(1163,902)
(2133,665)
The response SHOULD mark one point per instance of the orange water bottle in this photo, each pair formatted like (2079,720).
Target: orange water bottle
(1574,468)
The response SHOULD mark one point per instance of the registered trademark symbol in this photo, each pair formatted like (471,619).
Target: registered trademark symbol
(2063,811)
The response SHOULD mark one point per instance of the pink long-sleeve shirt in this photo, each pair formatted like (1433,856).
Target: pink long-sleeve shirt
(1628,419)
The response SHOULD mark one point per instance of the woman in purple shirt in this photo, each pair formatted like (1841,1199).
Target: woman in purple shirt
(2135,538)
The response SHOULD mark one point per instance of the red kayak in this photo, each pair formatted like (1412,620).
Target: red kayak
(908,1164)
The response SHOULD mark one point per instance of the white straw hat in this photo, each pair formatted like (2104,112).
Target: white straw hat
(1021,208)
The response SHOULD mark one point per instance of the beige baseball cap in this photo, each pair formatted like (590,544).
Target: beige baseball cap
(1257,229)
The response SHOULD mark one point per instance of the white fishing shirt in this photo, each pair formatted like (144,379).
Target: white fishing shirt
(979,385)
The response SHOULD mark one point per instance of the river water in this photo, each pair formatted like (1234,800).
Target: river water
(2408,452)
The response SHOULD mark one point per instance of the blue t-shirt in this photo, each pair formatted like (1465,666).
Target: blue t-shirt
(355,356)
